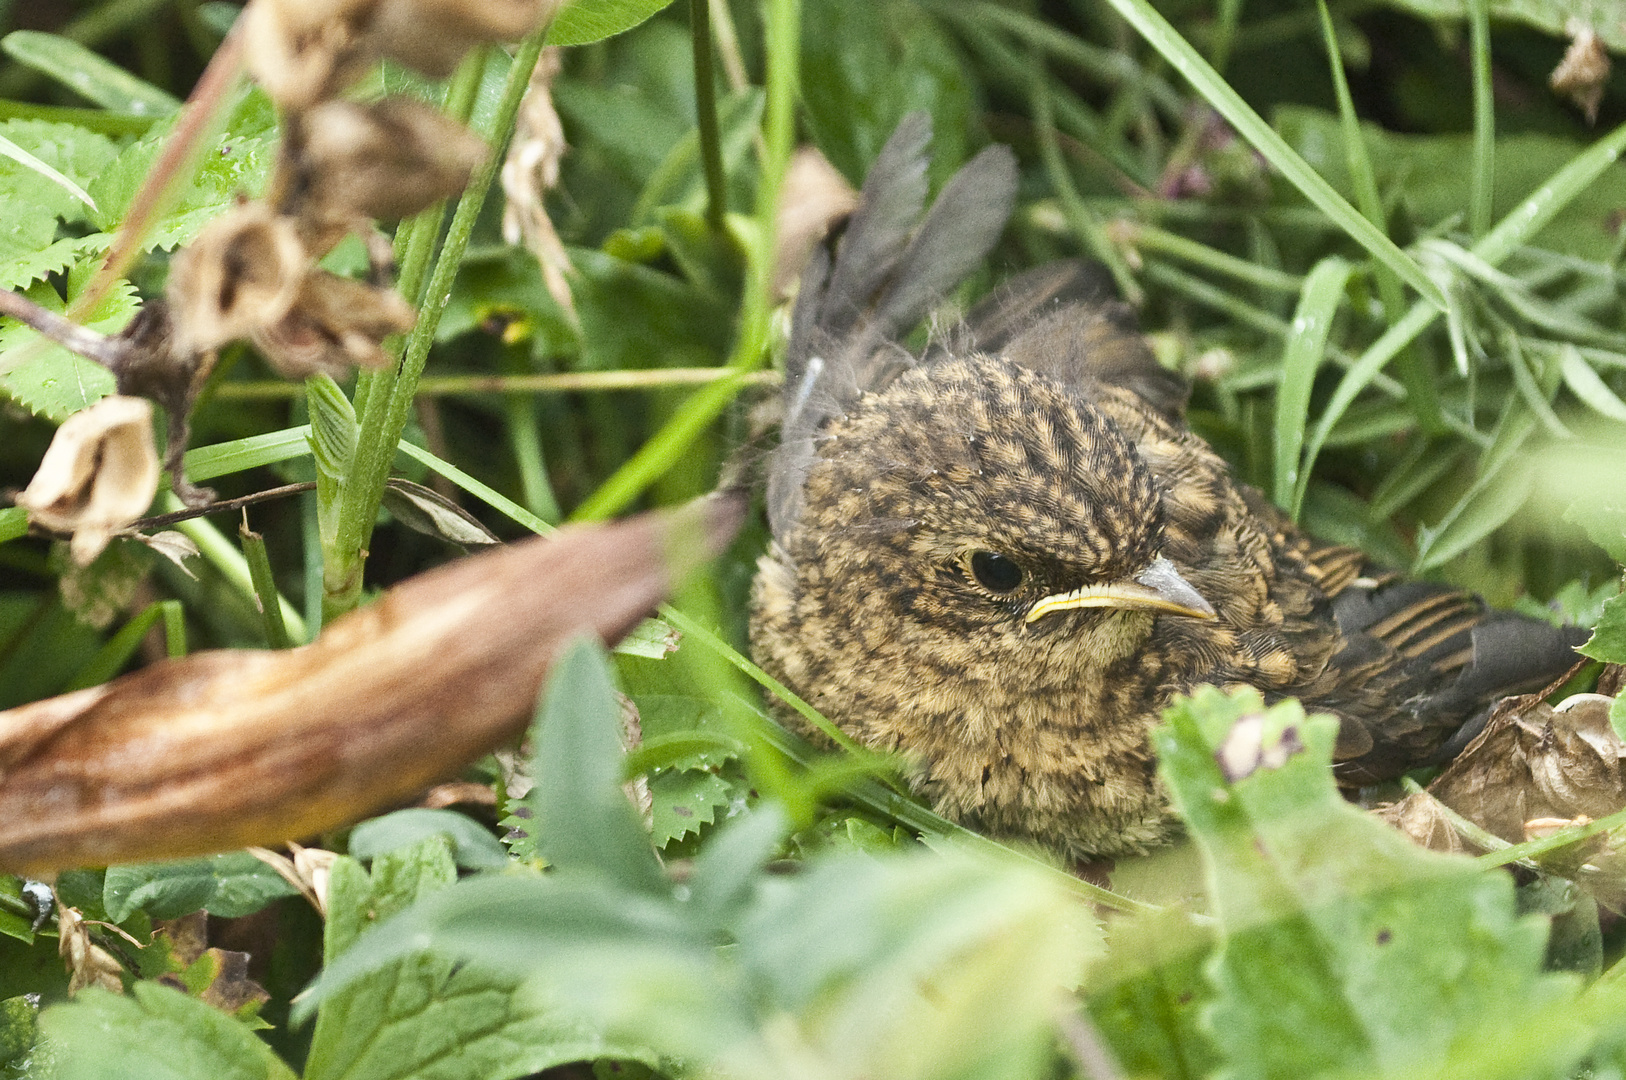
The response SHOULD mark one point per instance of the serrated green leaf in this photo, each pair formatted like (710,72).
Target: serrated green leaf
(11,150)
(472,846)
(1346,948)
(47,379)
(72,152)
(25,267)
(229,885)
(234,166)
(580,22)
(684,800)
(583,820)
(93,77)
(154,1033)
(424,1016)
(1608,641)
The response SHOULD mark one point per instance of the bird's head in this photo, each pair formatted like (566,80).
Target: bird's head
(984,512)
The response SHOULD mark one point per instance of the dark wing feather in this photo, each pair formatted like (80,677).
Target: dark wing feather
(1063,320)
(1418,664)
(1436,659)
(886,275)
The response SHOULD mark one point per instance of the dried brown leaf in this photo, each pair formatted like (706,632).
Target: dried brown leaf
(244,271)
(334,324)
(1422,817)
(88,963)
(226,749)
(1537,761)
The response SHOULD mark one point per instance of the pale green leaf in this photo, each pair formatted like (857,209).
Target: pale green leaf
(582,21)
(1346,948)
(154,1033)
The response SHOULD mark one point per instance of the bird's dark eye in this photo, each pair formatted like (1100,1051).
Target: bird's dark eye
(995,572)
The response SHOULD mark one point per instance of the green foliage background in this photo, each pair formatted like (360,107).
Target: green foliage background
(1398,294)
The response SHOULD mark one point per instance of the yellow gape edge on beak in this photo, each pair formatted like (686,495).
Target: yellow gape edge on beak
(1157,588)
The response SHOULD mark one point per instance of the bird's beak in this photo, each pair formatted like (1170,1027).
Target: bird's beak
(1157,588)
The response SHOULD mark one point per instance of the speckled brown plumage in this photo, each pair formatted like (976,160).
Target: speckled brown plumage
(1042,432)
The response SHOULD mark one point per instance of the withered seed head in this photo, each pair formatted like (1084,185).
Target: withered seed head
(244,271)
(387,160)
(334,324)
(432,35)
(99,474)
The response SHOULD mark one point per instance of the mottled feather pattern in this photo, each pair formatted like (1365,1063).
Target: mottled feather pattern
(1042,433)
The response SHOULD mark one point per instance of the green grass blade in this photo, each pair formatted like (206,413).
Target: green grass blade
(1306,346)
(1512,232)
(1252,127)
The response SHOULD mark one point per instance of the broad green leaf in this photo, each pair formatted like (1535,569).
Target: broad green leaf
(1608,641)
(651,639)
(1149,993)
(473,847)
(582,21)
(425,1015)
(154,1033)
(868,63)
(70,151)
(87,74)
(913,967)
(235,166)
(583,821)
(1606,17)
(229,885)
(1345,948)
(1605,526)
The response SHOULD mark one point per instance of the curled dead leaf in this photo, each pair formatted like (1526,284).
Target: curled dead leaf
(530,171)
(99,474)
(1535,760)
(229,749)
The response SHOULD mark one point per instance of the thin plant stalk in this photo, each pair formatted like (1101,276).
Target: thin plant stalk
(1482,187)
(388,403)
(691,419)
(1086,227)
(705,105)
(1517,228)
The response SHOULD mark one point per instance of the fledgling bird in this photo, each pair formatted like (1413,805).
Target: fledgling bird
(1004,557)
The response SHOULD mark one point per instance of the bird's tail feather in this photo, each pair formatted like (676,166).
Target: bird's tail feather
(888,271)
